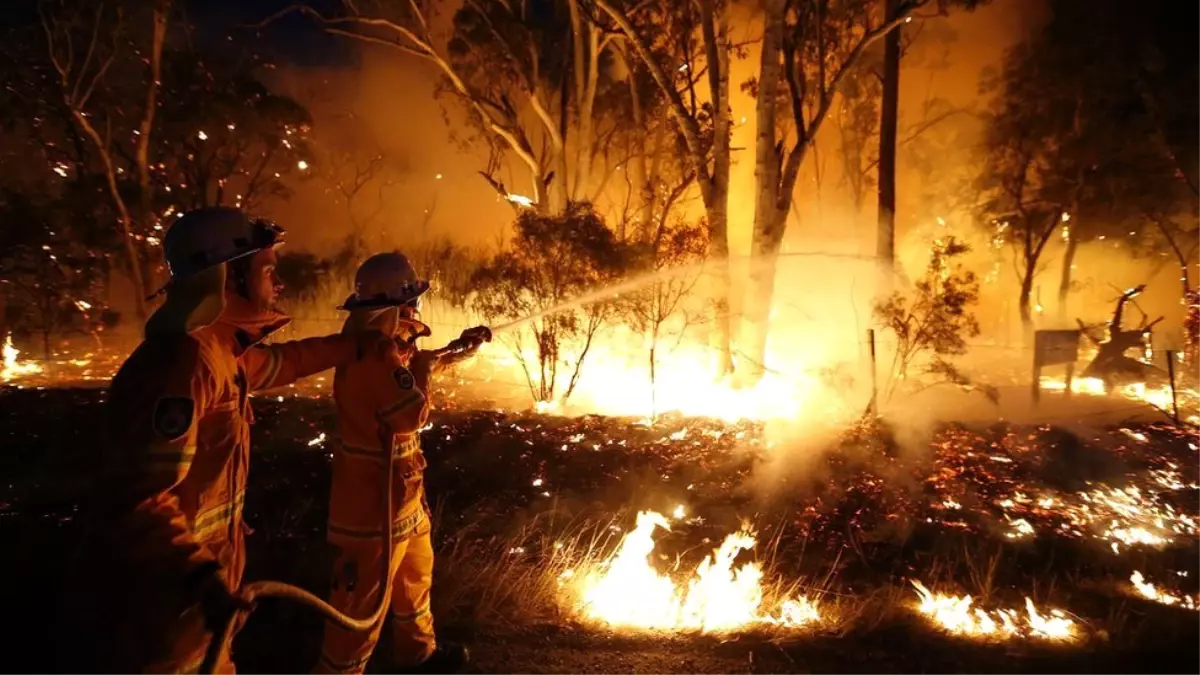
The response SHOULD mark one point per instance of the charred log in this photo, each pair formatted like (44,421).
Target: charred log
(1112,363)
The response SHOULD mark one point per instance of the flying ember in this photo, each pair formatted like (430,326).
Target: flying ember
(626,591)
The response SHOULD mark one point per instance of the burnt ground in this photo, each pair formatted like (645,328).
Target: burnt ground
(852,528)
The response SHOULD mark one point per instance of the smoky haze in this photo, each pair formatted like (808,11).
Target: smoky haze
(386,104)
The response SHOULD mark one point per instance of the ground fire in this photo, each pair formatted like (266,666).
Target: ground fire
(14,369)
(626,590)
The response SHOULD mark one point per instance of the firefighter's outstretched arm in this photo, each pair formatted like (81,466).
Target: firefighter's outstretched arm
(155,452)
(278,365)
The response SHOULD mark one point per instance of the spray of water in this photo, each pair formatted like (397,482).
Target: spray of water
(639,281)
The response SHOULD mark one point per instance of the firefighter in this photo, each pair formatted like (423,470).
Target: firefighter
(165,552)
(382,403)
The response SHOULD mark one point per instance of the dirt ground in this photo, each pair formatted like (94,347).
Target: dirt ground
(856,524)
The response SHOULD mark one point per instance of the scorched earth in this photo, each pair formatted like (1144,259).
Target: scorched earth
(605,544)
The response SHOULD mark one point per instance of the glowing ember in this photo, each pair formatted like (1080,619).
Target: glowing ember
(956,615)
(14,369)
(626,591)
(1127,516)
(318,440)
(1150,592)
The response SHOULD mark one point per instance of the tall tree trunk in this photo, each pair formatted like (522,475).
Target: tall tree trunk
(1064,283)
(768,218)
(716,40)
(718,235)
(148,217)
(637,160)
(578,82)
(132,259)
(885,248)
(1025,303)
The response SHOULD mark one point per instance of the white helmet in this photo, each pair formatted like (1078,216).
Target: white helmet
(386,280)
(210,236)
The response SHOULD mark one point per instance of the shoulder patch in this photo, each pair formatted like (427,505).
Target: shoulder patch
(172,416)
(404,379)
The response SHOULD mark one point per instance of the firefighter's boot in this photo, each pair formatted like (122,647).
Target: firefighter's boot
(449,657)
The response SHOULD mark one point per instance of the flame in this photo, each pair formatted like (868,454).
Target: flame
(956,615)
(626,591)
(615,383)
(13,369)
(1150,592)
(1157,396)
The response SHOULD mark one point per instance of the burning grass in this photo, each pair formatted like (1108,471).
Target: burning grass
(956,615)
(625,589)
(1162,596)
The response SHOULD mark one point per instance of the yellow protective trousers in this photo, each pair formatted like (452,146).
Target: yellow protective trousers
(357,576)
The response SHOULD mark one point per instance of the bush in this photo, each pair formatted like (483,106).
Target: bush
(543,276)
(931,324)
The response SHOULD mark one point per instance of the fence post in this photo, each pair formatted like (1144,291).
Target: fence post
(1171,374)
(874,408)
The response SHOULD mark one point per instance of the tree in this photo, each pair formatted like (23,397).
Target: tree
(704,126)
(52,268)
(809,48)
(551,261)
(226,138)
(889,115)
(1166,77)
(530,74)
(1074,134)
(1023,182)
(100,35)
(671,255)
(166,128)
(931,324)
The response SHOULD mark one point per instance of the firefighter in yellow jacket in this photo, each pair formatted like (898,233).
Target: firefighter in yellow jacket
(165,550)
(382,403)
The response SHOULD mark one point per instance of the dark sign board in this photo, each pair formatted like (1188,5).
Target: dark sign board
(1055,347)
(1052,348)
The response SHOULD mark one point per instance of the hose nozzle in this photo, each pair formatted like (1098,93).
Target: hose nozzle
(470,339)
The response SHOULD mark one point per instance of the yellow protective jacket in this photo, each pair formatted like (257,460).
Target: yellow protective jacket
(381,403)
(172,485)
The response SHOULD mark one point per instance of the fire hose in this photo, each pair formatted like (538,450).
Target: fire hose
(222,638)
(223,634)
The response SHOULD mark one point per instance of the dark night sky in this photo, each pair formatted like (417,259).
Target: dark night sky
(293,39)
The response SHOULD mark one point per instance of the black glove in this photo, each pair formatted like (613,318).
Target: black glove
(218,602)
(471,339)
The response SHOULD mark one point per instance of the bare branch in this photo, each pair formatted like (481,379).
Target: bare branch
(687,124)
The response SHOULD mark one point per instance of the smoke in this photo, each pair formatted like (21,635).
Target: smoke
(823,306)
